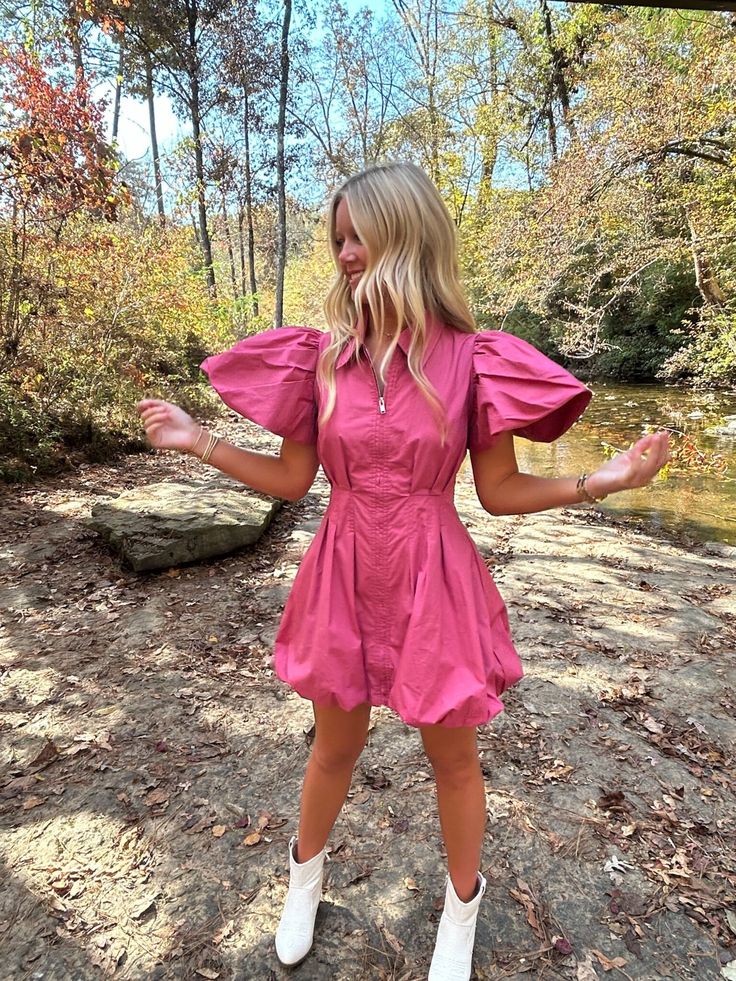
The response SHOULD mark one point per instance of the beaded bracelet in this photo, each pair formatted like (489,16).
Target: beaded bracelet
(585,493)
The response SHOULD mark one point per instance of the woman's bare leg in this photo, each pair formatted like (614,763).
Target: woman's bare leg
(338,742)
(461,798)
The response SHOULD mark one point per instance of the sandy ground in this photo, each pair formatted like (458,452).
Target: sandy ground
(151,762)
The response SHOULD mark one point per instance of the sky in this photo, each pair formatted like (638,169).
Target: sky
(133,132)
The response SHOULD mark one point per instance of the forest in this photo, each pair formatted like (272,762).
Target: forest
(587,154)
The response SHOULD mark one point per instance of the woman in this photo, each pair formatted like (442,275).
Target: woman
(392,604)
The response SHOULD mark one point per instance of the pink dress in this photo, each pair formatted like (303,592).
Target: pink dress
(392,604)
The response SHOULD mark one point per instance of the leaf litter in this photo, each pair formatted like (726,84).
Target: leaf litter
(153,762)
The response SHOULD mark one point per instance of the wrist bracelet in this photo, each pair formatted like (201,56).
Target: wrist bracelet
(193,448)
(211,444)
(585,493)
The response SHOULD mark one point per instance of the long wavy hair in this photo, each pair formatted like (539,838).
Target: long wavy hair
(412,272)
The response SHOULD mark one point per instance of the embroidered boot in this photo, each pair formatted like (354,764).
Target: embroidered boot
(453,952)
(296,928)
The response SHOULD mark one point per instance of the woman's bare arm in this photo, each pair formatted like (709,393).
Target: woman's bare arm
(288,475)
(502,489)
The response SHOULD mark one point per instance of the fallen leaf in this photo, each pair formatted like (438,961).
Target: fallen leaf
(48,753)
(143,908)
(207,972)
(159,796)
(652,725)
(32,802)
(19,785)
(411,884)
(223,932)
(103,740)
(199,826)
(614,864)
(252,839)
(586,971)
(219,830)
(607,963)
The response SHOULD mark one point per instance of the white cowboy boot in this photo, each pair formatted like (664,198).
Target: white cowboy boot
(296,928)
(453,952)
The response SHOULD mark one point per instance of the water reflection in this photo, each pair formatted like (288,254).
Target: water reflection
(702,507)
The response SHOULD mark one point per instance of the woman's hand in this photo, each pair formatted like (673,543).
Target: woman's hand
(167,426)
(634,468)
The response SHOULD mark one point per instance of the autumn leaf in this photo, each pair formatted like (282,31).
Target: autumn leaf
(607,963)
(159,796)
(48,753)
(32,802)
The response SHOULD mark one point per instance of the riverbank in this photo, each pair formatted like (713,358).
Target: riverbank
(152,762)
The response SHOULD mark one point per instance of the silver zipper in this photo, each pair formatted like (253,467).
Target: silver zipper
(381,399)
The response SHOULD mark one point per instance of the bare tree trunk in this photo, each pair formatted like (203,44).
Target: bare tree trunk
(249,210)
(281,167)
(194,106)
(230,252)
(552,132)
(118,92)
(73,26)
(241,247)
(705,277)
(154,137)
(489,141)
(559,82)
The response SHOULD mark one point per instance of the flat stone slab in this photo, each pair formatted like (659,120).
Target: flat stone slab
(168,524)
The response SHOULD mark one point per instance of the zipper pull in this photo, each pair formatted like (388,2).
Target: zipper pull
(381,404)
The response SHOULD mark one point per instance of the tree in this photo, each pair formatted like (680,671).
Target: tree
(56,163)
(347,92)
(281,164)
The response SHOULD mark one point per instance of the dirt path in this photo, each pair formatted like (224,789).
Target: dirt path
(151,762)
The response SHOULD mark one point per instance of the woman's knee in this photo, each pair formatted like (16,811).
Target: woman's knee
(339,737)
(333,757)
(453,755)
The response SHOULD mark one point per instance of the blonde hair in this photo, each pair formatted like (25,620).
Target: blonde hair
(412,271)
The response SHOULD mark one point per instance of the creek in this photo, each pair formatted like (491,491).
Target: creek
(698,505)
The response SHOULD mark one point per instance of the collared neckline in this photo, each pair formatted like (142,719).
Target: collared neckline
(435,328)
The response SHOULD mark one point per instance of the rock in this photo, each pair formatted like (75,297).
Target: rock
(720,548)
(28,596)
(727,429)
(164,525)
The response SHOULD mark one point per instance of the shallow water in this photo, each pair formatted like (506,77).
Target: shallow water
(700,506)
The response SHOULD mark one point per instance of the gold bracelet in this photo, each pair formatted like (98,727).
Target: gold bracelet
(193,448)
(585,493)
(213,441)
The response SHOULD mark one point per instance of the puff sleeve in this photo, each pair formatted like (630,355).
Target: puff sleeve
(516,388)
(270,379)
